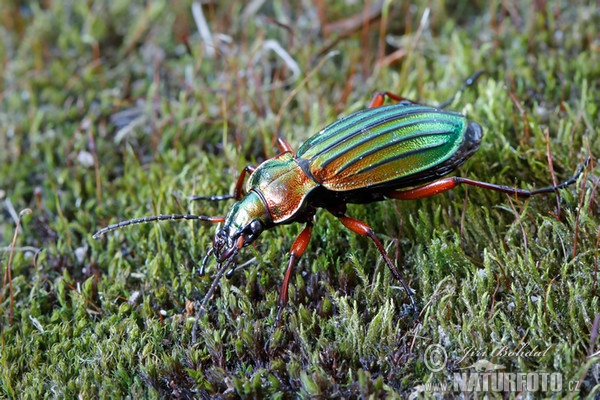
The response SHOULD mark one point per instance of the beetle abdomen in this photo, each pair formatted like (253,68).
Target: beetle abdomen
(389,147)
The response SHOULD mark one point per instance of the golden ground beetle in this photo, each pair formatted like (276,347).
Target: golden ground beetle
(370,155)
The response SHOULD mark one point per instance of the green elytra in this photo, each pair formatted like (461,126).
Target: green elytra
(390,147)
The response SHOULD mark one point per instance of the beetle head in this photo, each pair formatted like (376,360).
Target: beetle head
(243,224)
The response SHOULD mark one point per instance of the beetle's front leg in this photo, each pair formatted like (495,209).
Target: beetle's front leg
(365,230)
(296,252)
(239,188)
(284,145)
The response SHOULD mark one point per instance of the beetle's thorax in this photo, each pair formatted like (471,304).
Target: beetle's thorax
(283,185)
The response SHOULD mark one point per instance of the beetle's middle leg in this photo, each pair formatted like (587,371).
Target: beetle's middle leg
(296,252)
(365,230)
(239,188)
(379,97)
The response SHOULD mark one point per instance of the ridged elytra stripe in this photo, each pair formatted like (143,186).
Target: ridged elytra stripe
(350,122)
(377,135)
(398,155)
(352,125)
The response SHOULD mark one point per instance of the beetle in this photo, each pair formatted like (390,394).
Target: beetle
(398,151)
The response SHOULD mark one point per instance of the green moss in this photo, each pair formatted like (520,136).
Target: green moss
(113,318)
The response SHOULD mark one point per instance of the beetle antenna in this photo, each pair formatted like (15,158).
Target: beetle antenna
(144,220)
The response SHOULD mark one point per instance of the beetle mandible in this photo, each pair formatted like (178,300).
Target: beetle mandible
(399,151)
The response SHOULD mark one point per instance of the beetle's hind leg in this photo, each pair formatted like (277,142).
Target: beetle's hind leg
(365,230)
(445,184)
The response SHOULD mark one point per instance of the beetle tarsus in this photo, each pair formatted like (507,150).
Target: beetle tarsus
(378,98)
(278,318)
(231,271)
(365,230)
(563,185)
(468,82)
(409,310)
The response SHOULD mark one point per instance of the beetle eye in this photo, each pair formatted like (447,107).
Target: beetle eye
(252,231)
(256,227)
